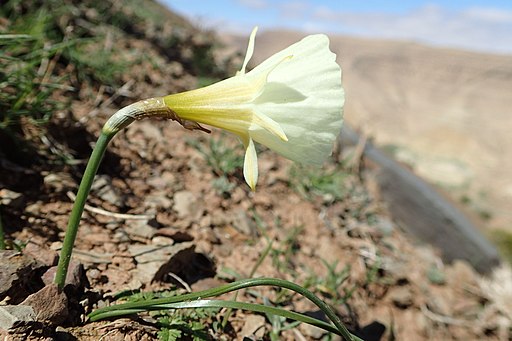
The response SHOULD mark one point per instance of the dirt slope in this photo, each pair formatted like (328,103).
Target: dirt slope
(192,217)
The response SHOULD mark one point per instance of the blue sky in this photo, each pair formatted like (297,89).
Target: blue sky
(477,25)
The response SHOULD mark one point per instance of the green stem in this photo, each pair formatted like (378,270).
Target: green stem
(152,107)
(78,207)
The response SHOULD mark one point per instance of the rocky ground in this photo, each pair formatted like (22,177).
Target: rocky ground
(169,210)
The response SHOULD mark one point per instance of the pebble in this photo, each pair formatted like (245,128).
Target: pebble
(402,297)
(254,325)
(188,205)
(243,223)
(140,228)
(13,315)
(10,198)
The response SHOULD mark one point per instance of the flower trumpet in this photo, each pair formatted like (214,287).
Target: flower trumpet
(292,103)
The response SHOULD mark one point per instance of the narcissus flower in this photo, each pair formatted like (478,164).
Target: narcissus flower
(292,103)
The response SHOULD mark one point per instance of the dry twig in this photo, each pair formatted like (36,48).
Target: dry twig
(113,214)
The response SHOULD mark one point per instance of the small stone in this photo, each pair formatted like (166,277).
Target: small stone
(75,276)
(17,270)
(161,240)
(140,228)
(254,326)
(102,187)
(13,316)
(33,209)
(400,272)
(10,198)
(94,274)
(59,182)
(121,237)
(56,245)
(43,255)
(158,201)
(402,297)
(49,304)
(188,206)
(159,182)
(312,331)
(243,223)
(62,334)
(150,130)
(112,225)
(153,260)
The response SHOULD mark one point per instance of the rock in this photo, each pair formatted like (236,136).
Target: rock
(159,182)
(17,274)
(15,316)
(219,220)
(401,297)
(140,228)
(33,209)
(312,331)
(152,261)
(188,206)
(162,241)
(75,276)
(254,325)
(59,182)
(10,198)
(45,256)
(244,224)
(102,187)
(49,304)
(158,200)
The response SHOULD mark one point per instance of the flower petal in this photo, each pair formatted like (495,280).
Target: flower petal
(271,126)
(306,99)
(250,163)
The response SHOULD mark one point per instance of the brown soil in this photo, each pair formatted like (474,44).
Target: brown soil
(390,287)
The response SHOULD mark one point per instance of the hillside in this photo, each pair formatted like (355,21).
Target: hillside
(446,113)
(170,212)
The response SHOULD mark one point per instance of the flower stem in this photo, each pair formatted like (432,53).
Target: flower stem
(78,206)
(152,107)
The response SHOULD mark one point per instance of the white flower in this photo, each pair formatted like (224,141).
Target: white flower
(291,103)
